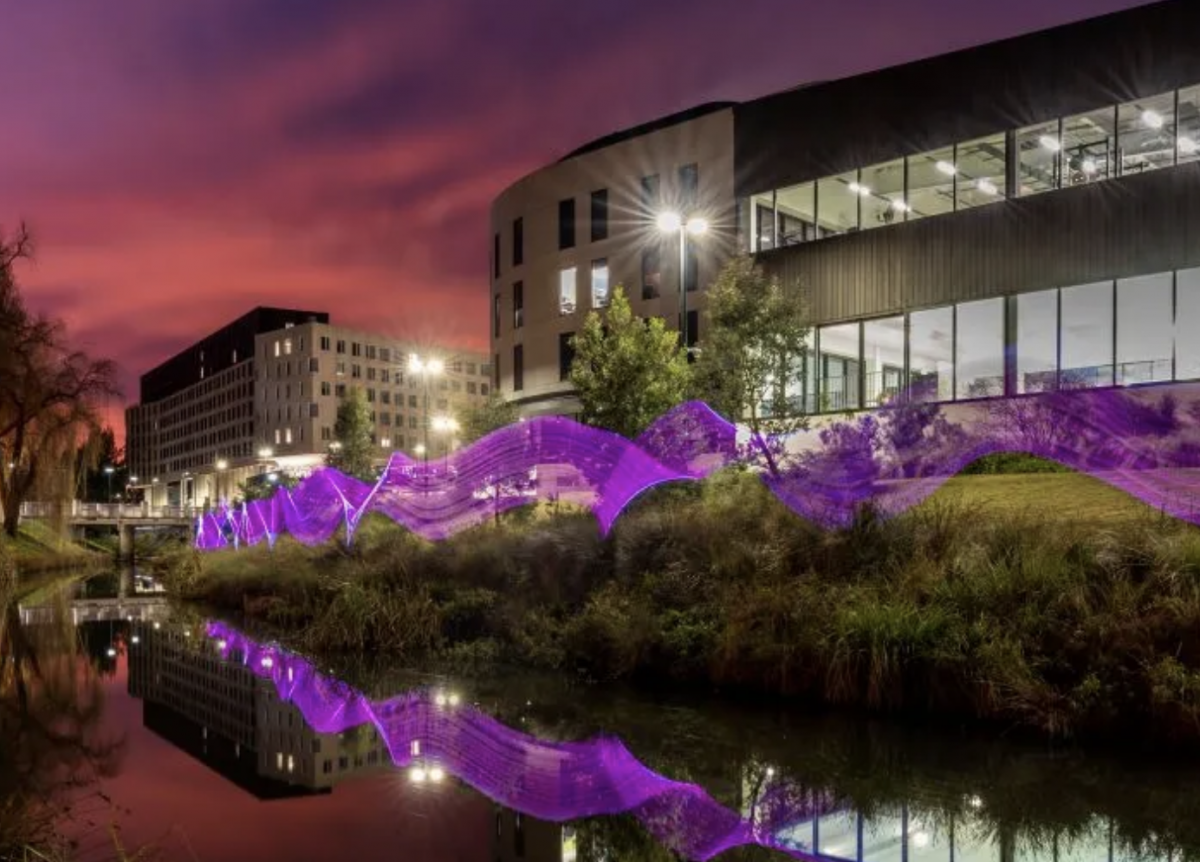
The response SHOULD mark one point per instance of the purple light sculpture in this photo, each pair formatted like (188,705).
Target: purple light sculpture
(1141,441)
(552,781)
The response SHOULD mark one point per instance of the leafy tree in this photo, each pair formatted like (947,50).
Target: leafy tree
(480,421)
(352,449)
(49,394)
(627,371)
(752,352)
(264,487)
(91,458)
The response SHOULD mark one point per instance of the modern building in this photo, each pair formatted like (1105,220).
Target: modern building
(1006,219)
(261,394)
(219,711)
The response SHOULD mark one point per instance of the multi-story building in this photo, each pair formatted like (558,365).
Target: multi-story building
(261,395)
(1001,220)
(218,710)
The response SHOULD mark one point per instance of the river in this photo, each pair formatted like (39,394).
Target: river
(227,747)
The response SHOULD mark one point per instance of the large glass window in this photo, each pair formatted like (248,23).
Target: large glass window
(566,224)
(1187,324)
(599,283)
(982,171)
(931,183)
(1188,125)
(931,355)
(883,356)
(518,304)
(651,270)
(599,215)
(837,203)
(1037,342)
(1146,133)
(1038,148)
(1089,145)
(762,221)
(882,193)
(1086,335)
(796,214)
(838,366)
(979,349)
(566,290)
(1145,324)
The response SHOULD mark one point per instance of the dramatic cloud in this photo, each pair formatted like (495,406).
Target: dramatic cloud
(182,162)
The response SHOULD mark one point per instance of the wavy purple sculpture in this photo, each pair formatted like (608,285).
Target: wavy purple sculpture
(1142,441)
(552,781)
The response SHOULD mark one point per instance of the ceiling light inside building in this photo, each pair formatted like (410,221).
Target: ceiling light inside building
(947,168)
(1089,166)
(900,206)
(1152,119)
(1050,143)
(1187,145)
(987,187)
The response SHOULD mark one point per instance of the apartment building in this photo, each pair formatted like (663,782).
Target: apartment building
(261,395)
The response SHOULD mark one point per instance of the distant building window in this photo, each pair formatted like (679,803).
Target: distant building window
(412,401)
(276,348)
(370,372)
(356,349)
(385,396)
(651,271)
(518,304)
(385,354)
(370,351)
(566,290)
(314,410)
(287,435)
(496,316)
(496,256)
(340,390)
(341,346)
(566,223)
(314,365)
(356,372)
(518,367)
(278,437)
(324,342)
(518,241)
(599,215)
(599,283)
(472,368)
(566,354)
(651,195)
(287,347)
(689,184)
(385,375)
(371,396)
(472,388)
(483,389)
(326,388)
(496,371)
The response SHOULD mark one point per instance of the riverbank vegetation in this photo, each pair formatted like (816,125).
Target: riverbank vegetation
(1037,615)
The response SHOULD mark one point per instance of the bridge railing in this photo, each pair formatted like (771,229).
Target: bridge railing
(80,511)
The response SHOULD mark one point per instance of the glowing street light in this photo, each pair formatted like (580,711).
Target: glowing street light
(109,469)
(426,368)
(671,222)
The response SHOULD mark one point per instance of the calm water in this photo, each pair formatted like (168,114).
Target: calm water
(226,748)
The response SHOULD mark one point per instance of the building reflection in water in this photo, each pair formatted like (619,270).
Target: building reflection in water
(218,711)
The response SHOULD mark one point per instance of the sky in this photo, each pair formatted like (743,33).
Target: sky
(181,162)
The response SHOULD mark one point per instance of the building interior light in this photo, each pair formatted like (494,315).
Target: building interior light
(1050,143)
(859,189)
(947,168)
(1187,145)
(987,187)
(1089,166)
(900,206)
(1152,119)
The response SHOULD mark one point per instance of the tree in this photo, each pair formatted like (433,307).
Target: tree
(49,393)
(265,487)
(352,449)
(93,456)
(627,371)
(751,365)
(490,416)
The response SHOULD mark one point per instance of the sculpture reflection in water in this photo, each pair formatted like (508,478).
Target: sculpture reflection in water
(1145,442)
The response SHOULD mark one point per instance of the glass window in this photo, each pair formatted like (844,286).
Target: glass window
(837,204)
(599,283)
(1038,148)
(883,354)
(931,354)
(651,270)
(1089,144)
(566,290)
(1146,133)
(881,188)
(496,256)
(518,241)
(566,224)
(1188,125)
(762,222)
(982,171)
(979,349)
(1037,342)
(518,367)
(689,184)
(1187,324)
(1086,335)
(518,304)
(599,215)
(838,366)
(566,354)
(931,183)
(496,316)
(796,214)
(651,195)
(1145,325)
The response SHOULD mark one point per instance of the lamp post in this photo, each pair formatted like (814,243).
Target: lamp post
(445,425)
(108,471)
(222,465)
(671,222)
(426,368)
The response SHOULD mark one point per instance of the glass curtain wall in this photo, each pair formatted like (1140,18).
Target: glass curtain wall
(931,355)
(883,359)
(1086,336)
(838,367)
(1187,324)
(1145,329)
(1037,342)
(979,349)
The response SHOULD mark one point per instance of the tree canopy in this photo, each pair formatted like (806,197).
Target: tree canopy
(353,450)
(490,416)
(627,371)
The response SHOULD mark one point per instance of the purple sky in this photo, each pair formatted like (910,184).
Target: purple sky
(184,161)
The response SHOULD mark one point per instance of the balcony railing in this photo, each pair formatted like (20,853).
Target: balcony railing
(81,511)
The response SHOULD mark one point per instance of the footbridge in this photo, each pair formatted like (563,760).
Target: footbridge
(127,518)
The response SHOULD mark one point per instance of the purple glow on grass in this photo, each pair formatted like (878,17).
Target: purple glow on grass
(553,781)
(1141,441)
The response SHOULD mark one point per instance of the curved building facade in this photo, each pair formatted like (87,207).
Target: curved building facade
(1008,219)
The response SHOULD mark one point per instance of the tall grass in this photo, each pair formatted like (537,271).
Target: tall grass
(1066,629)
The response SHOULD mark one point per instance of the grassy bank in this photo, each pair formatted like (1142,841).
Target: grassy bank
(37,548)
(1062,606)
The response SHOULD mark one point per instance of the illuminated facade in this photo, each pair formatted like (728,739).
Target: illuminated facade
(1008,219)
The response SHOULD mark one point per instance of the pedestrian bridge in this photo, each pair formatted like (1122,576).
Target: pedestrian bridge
(112,514)
(142,608)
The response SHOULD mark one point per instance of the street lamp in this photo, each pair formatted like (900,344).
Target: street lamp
(445,425)
(673,223)
(108,471)
(222,466)
(426,368)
